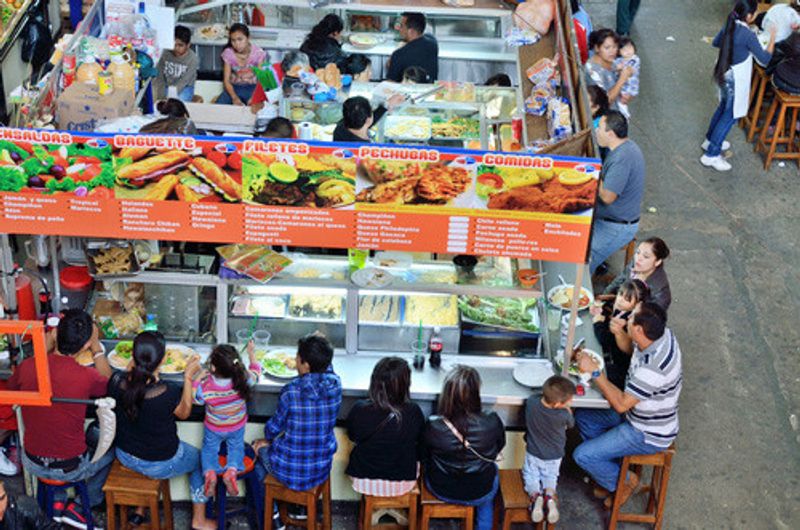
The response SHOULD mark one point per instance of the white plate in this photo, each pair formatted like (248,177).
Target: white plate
(552,292)
(533,374)
(121,364)
(80,359)
(573,370)
(276,354)
(371,277)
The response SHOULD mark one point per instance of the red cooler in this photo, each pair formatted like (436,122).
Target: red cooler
(76,284)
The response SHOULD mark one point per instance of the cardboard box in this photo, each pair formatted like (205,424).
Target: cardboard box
(225,118)
(81,108)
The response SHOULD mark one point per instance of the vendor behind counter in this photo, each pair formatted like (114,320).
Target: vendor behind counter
(420,49)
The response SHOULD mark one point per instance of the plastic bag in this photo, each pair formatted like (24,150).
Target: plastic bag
(37,44)
(537,15)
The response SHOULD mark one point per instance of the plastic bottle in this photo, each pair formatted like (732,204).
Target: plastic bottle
(151,324)
(88,71)
(123,73)
(435,347)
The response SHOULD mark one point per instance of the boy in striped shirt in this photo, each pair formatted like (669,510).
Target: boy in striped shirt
(643,418)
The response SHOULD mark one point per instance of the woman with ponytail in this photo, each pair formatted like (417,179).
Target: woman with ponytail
(225,392)
(737,46)
(323,44)
(147,413)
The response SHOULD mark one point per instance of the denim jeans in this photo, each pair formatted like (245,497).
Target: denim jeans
(539,475)
(94,474)
(245,92)
(484,506)
(607,238)
(723,120)
(210,454)
(626,11)
(607,438)
(186,94)
(186,460)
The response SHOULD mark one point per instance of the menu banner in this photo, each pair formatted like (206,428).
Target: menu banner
(296,193)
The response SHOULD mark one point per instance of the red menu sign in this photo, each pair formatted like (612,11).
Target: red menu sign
(282,192)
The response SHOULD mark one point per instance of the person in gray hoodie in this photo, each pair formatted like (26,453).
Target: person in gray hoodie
(177,67)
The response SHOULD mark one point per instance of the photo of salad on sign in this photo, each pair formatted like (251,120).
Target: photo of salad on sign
(80,169)
(208,173)
(311,181)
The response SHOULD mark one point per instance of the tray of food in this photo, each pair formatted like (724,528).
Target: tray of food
(316,307)
(110,259)
(431,310)
(380,309)
(411,128)
(516,314)
(365,41)
(455,128)
(175,359)
(280,363)
(265,306)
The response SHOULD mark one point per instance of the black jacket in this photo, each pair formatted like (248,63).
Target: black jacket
(453,471)
(24,514)
(322,52)
(389,452)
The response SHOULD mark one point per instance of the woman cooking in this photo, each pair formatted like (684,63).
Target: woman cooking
(733,71)
(600,67)
(647,265)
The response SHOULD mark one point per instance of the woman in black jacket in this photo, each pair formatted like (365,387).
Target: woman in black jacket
(462,444)
(22,513)
(787,72)
(322,45)
(386,430)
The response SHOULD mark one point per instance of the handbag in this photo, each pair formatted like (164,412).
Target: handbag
(465,443)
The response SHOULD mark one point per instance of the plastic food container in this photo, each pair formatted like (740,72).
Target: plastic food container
(76,285)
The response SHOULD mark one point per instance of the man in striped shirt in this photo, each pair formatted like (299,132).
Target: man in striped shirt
(643,418)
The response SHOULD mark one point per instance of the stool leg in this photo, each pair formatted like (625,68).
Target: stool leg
(761,144)
(776,137)
(111,516)
(155,517)
(792,130)
(751,131)
(311,508)
(412,513)
(123,517)
(662,492)
(469,522)
(269,503)
(222,495)
(327,521)
(166,499)
(425,520)
(365,513)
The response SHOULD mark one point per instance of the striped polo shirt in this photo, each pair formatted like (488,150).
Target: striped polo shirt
(655,379)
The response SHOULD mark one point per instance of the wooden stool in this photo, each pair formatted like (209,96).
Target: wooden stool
(512,505)
(782,103)
(370,503)
(757,91)
(277,492)
(433,508)
(45,494)
(630,250)
(125,487)
(662,465)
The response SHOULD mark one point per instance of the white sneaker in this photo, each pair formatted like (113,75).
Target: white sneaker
(537,513)
(716,162)
(552,511)
(725,145)
(7,467)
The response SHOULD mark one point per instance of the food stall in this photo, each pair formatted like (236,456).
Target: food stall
(502,312)
(122,202)
(471,45)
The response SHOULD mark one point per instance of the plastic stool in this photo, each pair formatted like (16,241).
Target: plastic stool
(45,493)
(253,507)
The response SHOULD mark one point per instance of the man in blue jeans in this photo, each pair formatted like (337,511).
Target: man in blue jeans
(621,189)
(643,418)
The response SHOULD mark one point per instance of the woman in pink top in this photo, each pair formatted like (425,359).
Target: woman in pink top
(225,392)
(240,56)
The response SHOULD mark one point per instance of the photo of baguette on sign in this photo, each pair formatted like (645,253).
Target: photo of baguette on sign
(202,173)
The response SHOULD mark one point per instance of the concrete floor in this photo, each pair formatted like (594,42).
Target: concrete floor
(735,285)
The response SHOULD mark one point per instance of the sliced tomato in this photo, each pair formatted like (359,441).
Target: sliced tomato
(491,179)
(90,172)
(218,158)
(235,160)
(89,160)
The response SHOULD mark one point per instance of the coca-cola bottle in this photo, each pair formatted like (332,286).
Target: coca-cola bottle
(435,347)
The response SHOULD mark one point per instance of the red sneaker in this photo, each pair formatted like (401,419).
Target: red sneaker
(231,484)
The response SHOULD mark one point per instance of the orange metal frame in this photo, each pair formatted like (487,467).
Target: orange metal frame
(35,329)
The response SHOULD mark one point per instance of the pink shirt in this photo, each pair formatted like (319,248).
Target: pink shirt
(243,74)
(226,411)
